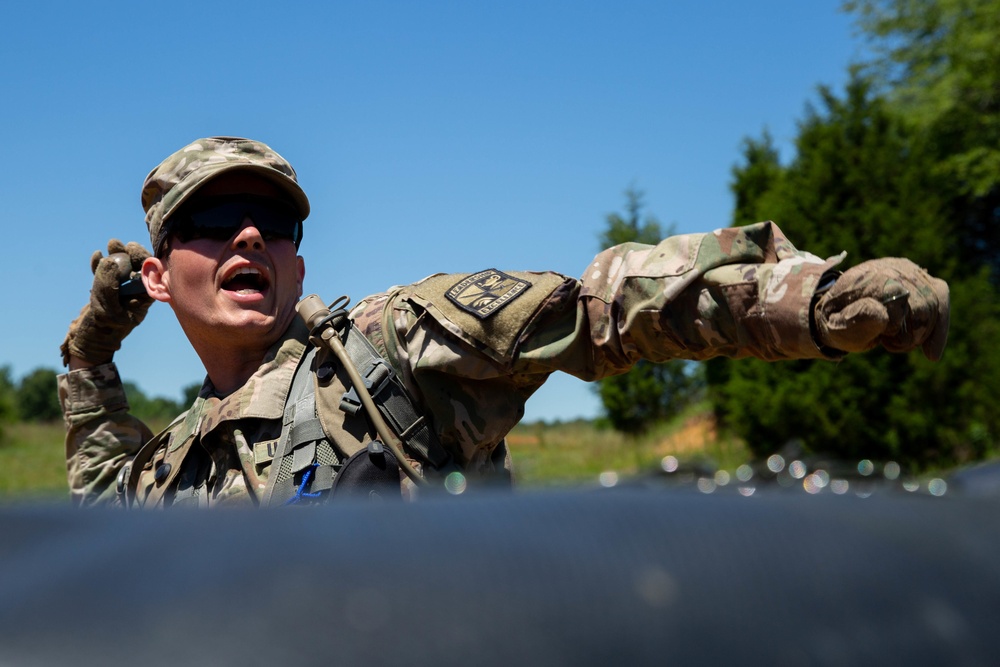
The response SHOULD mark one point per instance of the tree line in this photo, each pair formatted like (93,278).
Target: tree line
(34,398)
(904,162)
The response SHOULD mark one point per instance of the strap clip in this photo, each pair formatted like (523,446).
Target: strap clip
(376,378)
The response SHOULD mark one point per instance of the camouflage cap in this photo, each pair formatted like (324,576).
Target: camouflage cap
(178,177)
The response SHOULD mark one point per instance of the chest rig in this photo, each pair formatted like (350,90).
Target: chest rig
(307,467)
(346,423)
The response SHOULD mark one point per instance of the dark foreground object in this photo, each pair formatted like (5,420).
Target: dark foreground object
(621,577)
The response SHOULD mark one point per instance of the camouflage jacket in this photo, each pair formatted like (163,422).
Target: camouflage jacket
(471,349)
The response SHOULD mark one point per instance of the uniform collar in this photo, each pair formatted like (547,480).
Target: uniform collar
(263,395)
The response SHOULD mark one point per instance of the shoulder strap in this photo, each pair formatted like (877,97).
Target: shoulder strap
(392,400)
(305,463)
(304,456)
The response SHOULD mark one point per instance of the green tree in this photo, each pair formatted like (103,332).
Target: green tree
(939,62)
(189,393)
(649,392)
(8,399)
(156,410)
(864,180)
(37,398)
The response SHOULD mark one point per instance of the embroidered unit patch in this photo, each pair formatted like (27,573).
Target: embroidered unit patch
(486,292)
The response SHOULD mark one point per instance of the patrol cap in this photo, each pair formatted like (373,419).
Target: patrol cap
(178,177)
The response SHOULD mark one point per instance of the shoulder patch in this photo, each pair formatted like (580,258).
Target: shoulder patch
(486,292)
(489,309)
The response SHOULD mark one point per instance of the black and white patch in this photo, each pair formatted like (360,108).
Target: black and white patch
(486,292)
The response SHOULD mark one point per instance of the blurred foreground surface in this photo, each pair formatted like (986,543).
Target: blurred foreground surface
(647,574)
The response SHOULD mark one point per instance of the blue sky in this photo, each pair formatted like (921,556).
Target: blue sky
(429,136)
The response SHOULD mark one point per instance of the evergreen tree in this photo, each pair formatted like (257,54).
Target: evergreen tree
(649,392)
(864,180)
(939,62)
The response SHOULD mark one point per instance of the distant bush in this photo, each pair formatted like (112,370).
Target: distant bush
(37,399)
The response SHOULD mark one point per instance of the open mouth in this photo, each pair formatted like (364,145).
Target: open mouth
(246,280)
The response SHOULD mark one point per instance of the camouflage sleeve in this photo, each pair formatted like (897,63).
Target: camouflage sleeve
(737,292)
(100,434)
(473,348)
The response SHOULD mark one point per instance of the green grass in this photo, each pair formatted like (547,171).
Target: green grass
(33,462)
(578,452)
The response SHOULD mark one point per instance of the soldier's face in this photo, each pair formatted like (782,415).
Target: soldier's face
(239,292)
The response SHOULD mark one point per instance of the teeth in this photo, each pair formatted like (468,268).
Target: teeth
(245,271)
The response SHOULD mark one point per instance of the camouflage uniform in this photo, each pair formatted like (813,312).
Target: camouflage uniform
(471,349)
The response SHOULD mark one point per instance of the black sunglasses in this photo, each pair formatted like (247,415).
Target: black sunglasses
(219,218)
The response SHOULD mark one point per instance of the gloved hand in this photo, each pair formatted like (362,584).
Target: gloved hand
(891,301)
(97,333)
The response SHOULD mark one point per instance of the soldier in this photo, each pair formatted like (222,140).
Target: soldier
(459,353)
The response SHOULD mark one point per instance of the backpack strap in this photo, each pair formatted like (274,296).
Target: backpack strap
(393,402)
(305,462)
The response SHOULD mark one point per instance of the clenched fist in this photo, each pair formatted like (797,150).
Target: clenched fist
(889,301)
(97,333)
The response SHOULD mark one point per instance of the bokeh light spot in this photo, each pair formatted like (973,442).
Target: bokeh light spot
(706,484)
(455,483)
(608,479)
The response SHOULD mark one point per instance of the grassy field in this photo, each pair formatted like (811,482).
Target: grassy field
(577,452)
(32,461)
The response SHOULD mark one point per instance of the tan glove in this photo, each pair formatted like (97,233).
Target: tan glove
(889,301)
(97,333)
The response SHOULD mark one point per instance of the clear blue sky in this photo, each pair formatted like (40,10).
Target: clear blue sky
(430,136)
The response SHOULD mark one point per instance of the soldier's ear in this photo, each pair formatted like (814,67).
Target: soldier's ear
(155,276)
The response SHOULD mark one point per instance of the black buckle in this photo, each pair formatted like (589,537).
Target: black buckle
(351,402)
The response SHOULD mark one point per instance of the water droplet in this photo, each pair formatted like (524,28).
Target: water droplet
(866,467)
(891,470)
(775,463)
(746,491)
(669,464)
(911,486)
(721,477)
(706,485)
(744,473)
(608,479)
(822,478)
(797,469)
(811,484)
(937,486)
